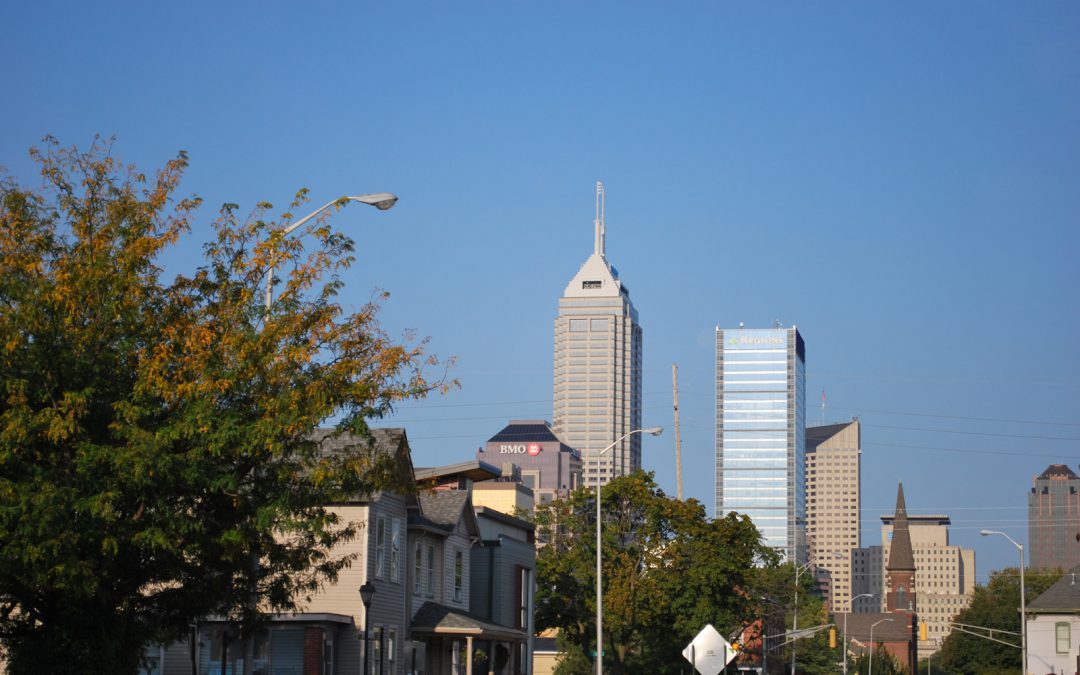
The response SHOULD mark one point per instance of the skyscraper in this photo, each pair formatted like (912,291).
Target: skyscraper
(832,504)
(598,365)
(761,432)
(1054,518)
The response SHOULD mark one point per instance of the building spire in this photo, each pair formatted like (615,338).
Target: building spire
(598,247)
(901,556)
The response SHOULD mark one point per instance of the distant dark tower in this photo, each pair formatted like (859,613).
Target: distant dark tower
(900,578)
(1054,518)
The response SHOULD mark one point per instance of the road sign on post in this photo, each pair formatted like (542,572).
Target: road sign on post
(709,652)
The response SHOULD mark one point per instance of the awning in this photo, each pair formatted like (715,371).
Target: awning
(435,620)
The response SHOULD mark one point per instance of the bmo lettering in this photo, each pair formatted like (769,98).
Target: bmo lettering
(512,449)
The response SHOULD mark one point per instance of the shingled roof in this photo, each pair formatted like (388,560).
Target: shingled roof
(435,619)
(445,508)
(901,556)
(1062,597)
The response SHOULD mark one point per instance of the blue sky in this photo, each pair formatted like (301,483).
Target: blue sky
(900,181)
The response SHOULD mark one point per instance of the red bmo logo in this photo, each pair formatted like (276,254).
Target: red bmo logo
(534,449)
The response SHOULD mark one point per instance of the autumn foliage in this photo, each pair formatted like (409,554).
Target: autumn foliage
(155,436)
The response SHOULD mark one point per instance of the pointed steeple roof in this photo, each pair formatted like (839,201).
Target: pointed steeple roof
(901,557)
(597,278)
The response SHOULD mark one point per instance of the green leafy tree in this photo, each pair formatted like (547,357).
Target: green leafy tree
(667,572)
(155,438)
(994,605)
(884,663)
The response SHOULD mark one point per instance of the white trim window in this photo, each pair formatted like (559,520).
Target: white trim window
(380,546)
(418,569)
(429,584)
(1063,637)
(395,550)
(459,575)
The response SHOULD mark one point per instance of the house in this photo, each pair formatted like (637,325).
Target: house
(1053,627)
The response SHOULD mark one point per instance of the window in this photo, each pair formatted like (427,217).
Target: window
(524,582)
(380,546)
(395,549)
(459,575)
(1061,631)
(429,588)
(579,325)
(418,569)
(591,284)
(391,644)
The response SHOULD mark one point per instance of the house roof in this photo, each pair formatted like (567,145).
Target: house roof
(901,556)
(435,619)
(388,449)
(446,508)
(1063,596)
(859,623)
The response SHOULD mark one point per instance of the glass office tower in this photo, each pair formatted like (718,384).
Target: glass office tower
(761,432)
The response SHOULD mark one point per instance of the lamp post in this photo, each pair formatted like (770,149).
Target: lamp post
(1023,603)
(655,431)
(795,616)
(851,606)
(367,591)
(380,200)
(870,670)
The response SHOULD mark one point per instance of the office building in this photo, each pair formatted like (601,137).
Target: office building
(945,579)
(761,432)
(598,365)
(1054,518)
(832,505)
(530,453)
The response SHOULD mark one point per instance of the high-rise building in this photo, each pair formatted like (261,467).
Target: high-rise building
(1054,518)
(598,365)
(832,504)
(529,452)
(761,432)
(942,575)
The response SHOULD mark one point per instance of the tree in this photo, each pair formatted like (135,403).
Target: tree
(667,572)
(994,605)
(156,439)
(884,663)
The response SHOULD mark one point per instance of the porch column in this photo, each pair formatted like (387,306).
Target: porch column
(468,654)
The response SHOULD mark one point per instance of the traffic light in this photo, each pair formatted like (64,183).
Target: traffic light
(736,647)
(922,631)
(832,638)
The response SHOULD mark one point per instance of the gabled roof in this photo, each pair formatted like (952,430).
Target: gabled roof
(446,508)
(1063,596)
(901,556)
(435,619)
(388,444)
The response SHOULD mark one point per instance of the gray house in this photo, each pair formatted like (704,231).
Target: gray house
(1053,627)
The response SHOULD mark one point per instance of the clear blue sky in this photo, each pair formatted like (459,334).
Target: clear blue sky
(900,181)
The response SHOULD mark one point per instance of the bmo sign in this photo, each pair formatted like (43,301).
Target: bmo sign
(531,449)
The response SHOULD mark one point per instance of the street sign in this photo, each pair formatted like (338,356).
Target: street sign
(709,652)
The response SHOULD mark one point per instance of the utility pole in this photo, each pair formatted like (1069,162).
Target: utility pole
(678,443)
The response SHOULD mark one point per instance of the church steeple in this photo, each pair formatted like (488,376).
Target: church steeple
(901,556)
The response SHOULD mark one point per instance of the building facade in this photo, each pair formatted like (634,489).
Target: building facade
(833,504)
(761,432)
(1054,518)
(597,387)
(945,581)
(529,452)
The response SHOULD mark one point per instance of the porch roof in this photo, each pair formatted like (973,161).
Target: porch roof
(435,620)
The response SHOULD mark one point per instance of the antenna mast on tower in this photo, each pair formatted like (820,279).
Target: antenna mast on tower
(599,222)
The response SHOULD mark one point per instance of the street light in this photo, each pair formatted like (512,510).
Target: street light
(380,200)
(870,670)
(795,617)
(1023,603)
(851,606)
(655,431)
(367,591)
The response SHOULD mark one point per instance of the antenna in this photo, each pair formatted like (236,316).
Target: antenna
(598,247)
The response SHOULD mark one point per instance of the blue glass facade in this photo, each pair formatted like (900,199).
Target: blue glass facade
(761,432)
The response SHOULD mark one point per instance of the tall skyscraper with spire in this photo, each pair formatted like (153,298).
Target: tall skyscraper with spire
(598,365)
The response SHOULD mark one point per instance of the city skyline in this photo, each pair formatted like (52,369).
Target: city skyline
(899,181)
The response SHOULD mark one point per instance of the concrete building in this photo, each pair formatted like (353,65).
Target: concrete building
(597,388)
(761,432)
(832,505)
(945,581)
(529,452)
(1054,518)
